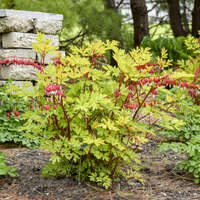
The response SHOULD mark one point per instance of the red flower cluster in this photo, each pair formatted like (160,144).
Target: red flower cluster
(151,71)
(117,93)
(154,92)
(100,58)
(130,95)
(130,106)
(163,81)
(56,61)
(54,89)
(47,107)
(131,87)
(158,81)
(152,103)
(54,106)
(196,74)
(8,115)
(193,93)
(94,60)
(16,113)
(21,62)
(41,107)
(135,106)
(141,67)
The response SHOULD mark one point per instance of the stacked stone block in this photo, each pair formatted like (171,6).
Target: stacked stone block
(18,31)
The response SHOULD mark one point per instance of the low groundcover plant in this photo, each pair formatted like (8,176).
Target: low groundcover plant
(6,170)
(186,140)
(12,108)
(92,116)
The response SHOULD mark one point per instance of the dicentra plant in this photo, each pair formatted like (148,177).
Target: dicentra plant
(93,116)
(12,108)
(186,140)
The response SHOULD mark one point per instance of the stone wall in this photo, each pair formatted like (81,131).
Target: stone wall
(17,33)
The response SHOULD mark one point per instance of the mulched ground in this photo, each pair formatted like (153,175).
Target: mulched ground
(162,181)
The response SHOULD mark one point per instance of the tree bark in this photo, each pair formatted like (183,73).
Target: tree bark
(140,20)
(196,18)
(111,4)
(185,19)
(175,18)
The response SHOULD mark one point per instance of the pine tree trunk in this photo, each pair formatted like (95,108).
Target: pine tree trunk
(175,18)
(110,4)
(140,20)
(196,18)
(185,19)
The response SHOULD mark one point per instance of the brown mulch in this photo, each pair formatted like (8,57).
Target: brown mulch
(162,181)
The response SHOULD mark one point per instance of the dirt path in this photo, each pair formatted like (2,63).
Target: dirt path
(162,181)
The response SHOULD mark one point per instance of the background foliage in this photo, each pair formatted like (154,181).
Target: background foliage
(176,47)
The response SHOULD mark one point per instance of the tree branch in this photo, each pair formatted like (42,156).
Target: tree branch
(119,4)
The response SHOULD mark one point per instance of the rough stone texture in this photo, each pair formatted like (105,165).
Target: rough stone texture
(49,57)
(47,26)
(17,53)
(18,72)
(30,14)
(24,40)
(15,24)
(17,30)
(24,25)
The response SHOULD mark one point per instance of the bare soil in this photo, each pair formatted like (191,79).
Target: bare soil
(162,181)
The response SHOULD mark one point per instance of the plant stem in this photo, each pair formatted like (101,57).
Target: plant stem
(142,103)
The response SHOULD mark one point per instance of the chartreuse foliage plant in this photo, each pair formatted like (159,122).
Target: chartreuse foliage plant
(192,65)
(186,140)
(12,108)
(6,170)
(92,116)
